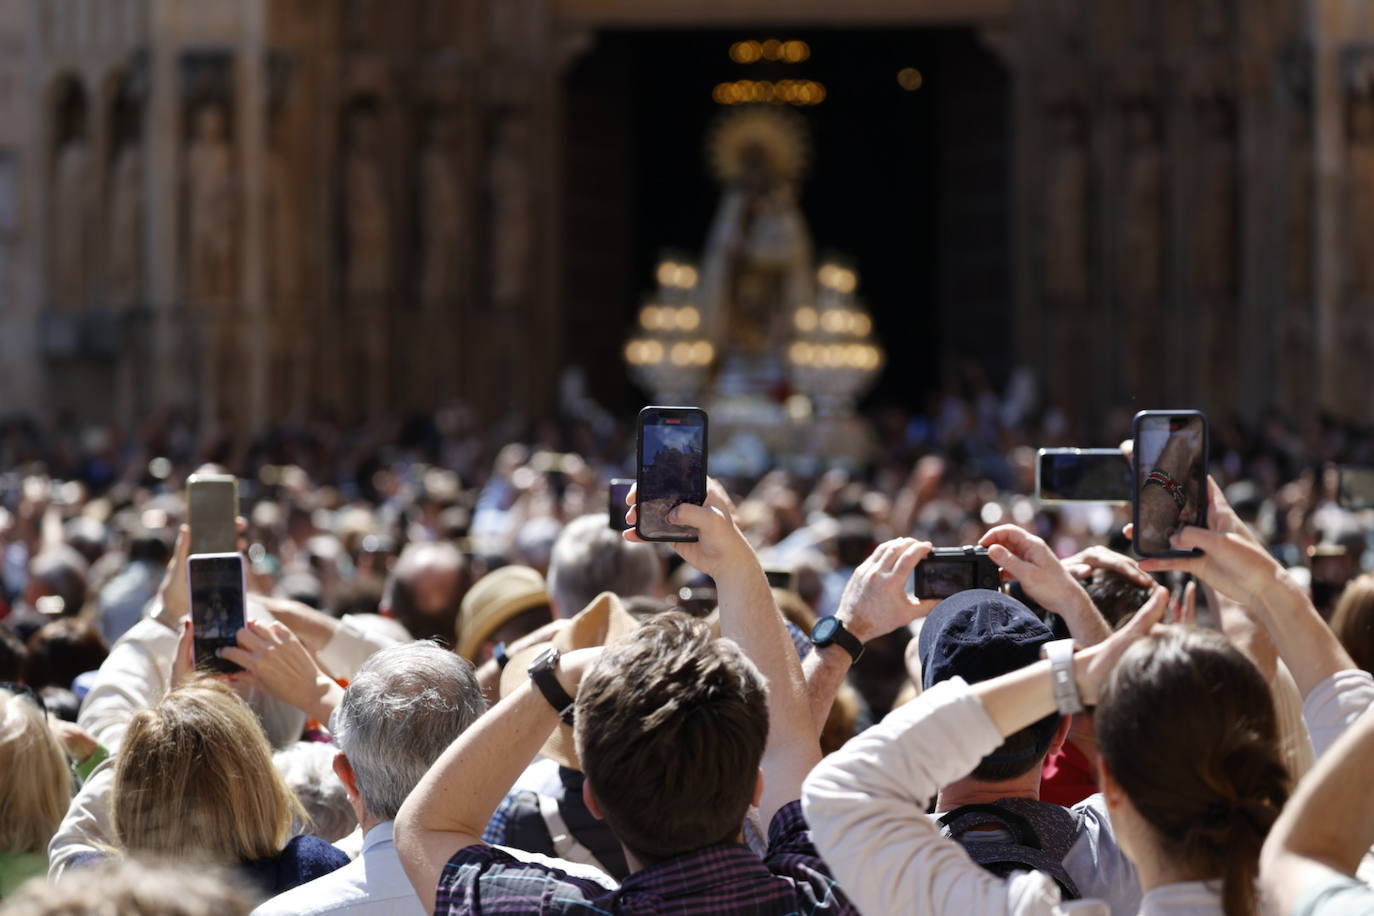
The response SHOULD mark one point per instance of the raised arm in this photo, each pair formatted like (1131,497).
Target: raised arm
(1323,832)
(1029,560)
(874,603)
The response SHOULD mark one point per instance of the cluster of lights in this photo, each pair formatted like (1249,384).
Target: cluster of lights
(676,276)
(832,321)
(684,353)
(749,52)
(783,92)
(840,279)
(835,355)
(668,318)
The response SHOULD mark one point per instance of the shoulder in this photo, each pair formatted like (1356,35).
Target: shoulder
(306,858)
(482,878)
(792,854)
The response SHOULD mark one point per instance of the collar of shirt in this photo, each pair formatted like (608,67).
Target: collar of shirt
(726,870)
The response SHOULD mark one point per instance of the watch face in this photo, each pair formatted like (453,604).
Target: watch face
(543,660)
(824,630)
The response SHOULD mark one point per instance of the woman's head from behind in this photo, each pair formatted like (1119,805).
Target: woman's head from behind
(35,782)
(195,780)
(1190,760)
(1353,620)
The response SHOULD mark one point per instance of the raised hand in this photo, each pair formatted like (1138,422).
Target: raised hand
(876,602)
(282,666)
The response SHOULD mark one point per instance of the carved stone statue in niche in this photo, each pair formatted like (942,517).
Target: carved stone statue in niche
(508,187)
(1359,197)
(212,211)
(367,214)
(441,211)
(285,232)
(1141,266)
(124,236)
(1066,211)
(71,193)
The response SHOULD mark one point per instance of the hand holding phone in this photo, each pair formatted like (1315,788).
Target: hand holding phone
(1170,451)
(218,606)
(949,570)
(670,469)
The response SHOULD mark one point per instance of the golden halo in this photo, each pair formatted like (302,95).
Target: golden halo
(779,134)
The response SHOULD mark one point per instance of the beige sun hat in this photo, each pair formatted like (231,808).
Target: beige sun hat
(495,599)
(598,624)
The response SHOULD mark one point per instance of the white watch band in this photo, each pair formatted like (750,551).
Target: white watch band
(1060,654)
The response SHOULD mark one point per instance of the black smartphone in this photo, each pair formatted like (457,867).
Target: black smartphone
(784,579)
(212,507)
(218,606)
(949,570)
(615,502)
(1356,490)
(1098,475)
(1170,481)
(670,469)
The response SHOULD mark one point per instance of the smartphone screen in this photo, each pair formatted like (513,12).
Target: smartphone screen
(671,469)
(615,502)
(1356,487)
(212,505)
(1100,475)
(1170,477)
(217,606)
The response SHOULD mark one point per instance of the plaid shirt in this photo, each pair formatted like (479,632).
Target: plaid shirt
(790,881)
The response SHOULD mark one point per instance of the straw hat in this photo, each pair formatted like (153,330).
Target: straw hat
(598,624)
(495,599)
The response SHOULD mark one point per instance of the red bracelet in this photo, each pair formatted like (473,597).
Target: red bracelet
(1171,486)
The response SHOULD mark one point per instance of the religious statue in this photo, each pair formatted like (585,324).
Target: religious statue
(211,211)
(1142,238)
(367,216)
(757,265)
(71,183)
(1359,197)
(441,212)
(1066,213)
(512,229)
(124,237)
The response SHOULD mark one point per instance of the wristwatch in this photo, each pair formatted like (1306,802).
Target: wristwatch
(499,653)
(829,631)
(541,673)
(1060,654)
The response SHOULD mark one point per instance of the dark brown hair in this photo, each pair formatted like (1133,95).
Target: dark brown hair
(671,726)
(1354,620)
(1187,725)
(61,650)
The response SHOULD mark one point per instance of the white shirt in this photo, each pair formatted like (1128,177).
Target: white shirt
(375,884)
(1187,898)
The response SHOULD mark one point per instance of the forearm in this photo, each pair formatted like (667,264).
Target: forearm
(1304,641)
(1245,634)
(824,670)
(1319,823)
(1086,624)
(1019,699)
(313,628)
(86,829)
(450,807)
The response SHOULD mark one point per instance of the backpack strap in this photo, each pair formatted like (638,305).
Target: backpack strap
(1040,837)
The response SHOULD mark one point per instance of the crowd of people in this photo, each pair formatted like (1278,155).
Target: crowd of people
(464,689)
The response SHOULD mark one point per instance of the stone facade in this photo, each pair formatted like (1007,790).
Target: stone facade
(266,209)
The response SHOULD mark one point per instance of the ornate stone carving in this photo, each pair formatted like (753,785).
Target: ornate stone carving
(212,210)
(441,210)
(285,253)
(367,211)
(124,237)
(512,229)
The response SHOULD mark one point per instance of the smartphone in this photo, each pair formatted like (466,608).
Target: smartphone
(1170,480)
(784,579)
(212,505)
(217,606)
(670,469)
(1097,475)
(615,502)
(1356,487)
(949,570)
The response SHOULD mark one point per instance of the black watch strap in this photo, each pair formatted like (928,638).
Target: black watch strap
(836,635)
(498,652)
(541,673)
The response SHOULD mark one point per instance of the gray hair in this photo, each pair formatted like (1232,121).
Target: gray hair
(590,558)
(308,768)
(407,704)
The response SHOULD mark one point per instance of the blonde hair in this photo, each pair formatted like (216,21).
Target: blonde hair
(119,886)
(195,780)
(35,781)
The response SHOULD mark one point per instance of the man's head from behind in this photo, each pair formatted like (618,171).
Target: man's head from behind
(672,722)
(590,557)
(977,635)
(407,704)
(426,589)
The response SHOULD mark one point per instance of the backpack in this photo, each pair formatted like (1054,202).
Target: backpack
(1042,835)
(563,827)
